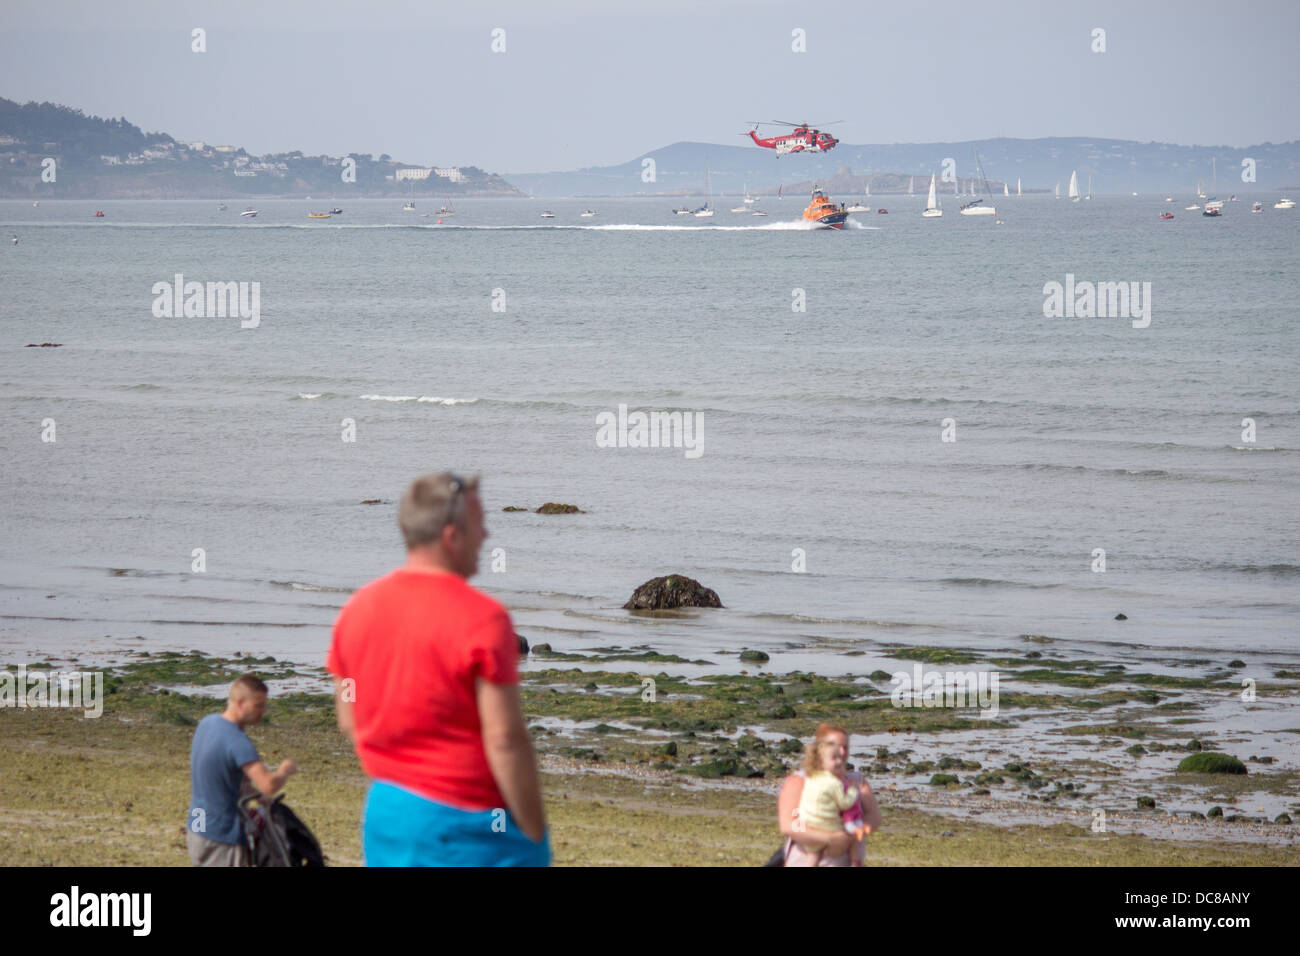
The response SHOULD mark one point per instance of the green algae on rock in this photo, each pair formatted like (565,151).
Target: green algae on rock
(1209,762)
(671,591)
(555,508)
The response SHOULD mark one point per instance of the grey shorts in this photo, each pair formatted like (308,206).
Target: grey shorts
(205,852)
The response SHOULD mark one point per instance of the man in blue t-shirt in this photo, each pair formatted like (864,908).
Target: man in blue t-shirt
(220,758)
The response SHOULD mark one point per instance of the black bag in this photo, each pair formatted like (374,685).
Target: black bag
(276,836)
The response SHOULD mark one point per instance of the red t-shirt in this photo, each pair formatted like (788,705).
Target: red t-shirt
(414,642)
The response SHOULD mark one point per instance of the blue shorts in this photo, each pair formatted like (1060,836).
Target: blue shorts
(401,828)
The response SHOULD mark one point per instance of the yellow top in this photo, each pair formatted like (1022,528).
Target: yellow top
(824,797)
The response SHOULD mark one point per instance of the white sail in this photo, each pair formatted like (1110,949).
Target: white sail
(1074,185)
(932,209)
(910,181)
(1006,190)
(1058,190)
(1089,196)
(1017,185)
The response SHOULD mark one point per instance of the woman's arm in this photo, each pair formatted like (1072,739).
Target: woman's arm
(870,809)
(787,806)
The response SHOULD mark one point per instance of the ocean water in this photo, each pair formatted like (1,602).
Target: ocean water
(821,428)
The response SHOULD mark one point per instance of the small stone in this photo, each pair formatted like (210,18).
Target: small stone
(523,645)
(1283,818)
(541,648)
(1121,616)
(751,655)
(1236,663)
(1215,812)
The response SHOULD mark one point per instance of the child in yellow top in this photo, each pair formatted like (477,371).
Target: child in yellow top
(829,802)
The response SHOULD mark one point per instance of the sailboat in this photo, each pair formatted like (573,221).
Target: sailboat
(1200,189)
(1074,185)
(1006,190)
(973,208)
(932,210)
(707,209)
(910,181)
(1058,190)
(1017,187)
(1089,196)
(449,209)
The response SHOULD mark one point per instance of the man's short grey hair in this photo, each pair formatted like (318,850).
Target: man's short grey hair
(430,504)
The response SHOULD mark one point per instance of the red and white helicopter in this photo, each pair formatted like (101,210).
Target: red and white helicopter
(804,139)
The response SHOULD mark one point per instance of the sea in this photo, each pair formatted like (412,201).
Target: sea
(896,440)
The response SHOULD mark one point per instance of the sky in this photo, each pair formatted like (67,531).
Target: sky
(598,83)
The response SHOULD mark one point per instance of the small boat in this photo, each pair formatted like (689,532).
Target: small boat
(99,214)
(1166,215)
(447,210)
(250,212)
(824,212)
(858,207)
(1058,190)
(1192,208)
(1232,198)
(683,211)
(587,214)
(1257,207)
(409,206)
(37,203)
(706,210)
(932,210)
(758,212)
(1211,211)
(883,212)
(547,214)
(1074,186)
(1169,199)
(973,208)
(318,215)
(221,207)
(336,211)
(1284,204)
(740,209)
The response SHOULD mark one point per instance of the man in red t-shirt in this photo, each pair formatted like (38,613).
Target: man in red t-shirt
(426,686)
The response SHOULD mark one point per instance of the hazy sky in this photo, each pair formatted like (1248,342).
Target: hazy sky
(596,83)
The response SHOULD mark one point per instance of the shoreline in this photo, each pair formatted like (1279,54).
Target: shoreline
(114,790)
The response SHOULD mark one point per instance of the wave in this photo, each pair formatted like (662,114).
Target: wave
(419,398)
(998,582)
(309,395)
(301,586)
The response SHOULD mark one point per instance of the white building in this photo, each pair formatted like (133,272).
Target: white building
(417,174)
(450,173)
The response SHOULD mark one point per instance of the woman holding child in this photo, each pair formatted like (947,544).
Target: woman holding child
(825,811)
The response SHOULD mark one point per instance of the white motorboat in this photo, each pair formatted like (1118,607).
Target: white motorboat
(1284,204)
(250,212)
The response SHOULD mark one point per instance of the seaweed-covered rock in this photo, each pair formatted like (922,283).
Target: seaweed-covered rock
(523,645)
(1215,812)
(1210,762)
(671,591)
(756,656)
(791,745)
(513,508)
(1194,745)
(1283,818)
(1146,803)
(942,779)
(555,508)
(542,649)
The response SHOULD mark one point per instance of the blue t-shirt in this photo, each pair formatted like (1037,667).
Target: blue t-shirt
(219,750)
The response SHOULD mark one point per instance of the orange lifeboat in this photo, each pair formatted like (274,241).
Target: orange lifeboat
(824,212)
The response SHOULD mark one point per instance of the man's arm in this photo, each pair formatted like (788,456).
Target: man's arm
(267,783)
(510,755)
(343,709)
